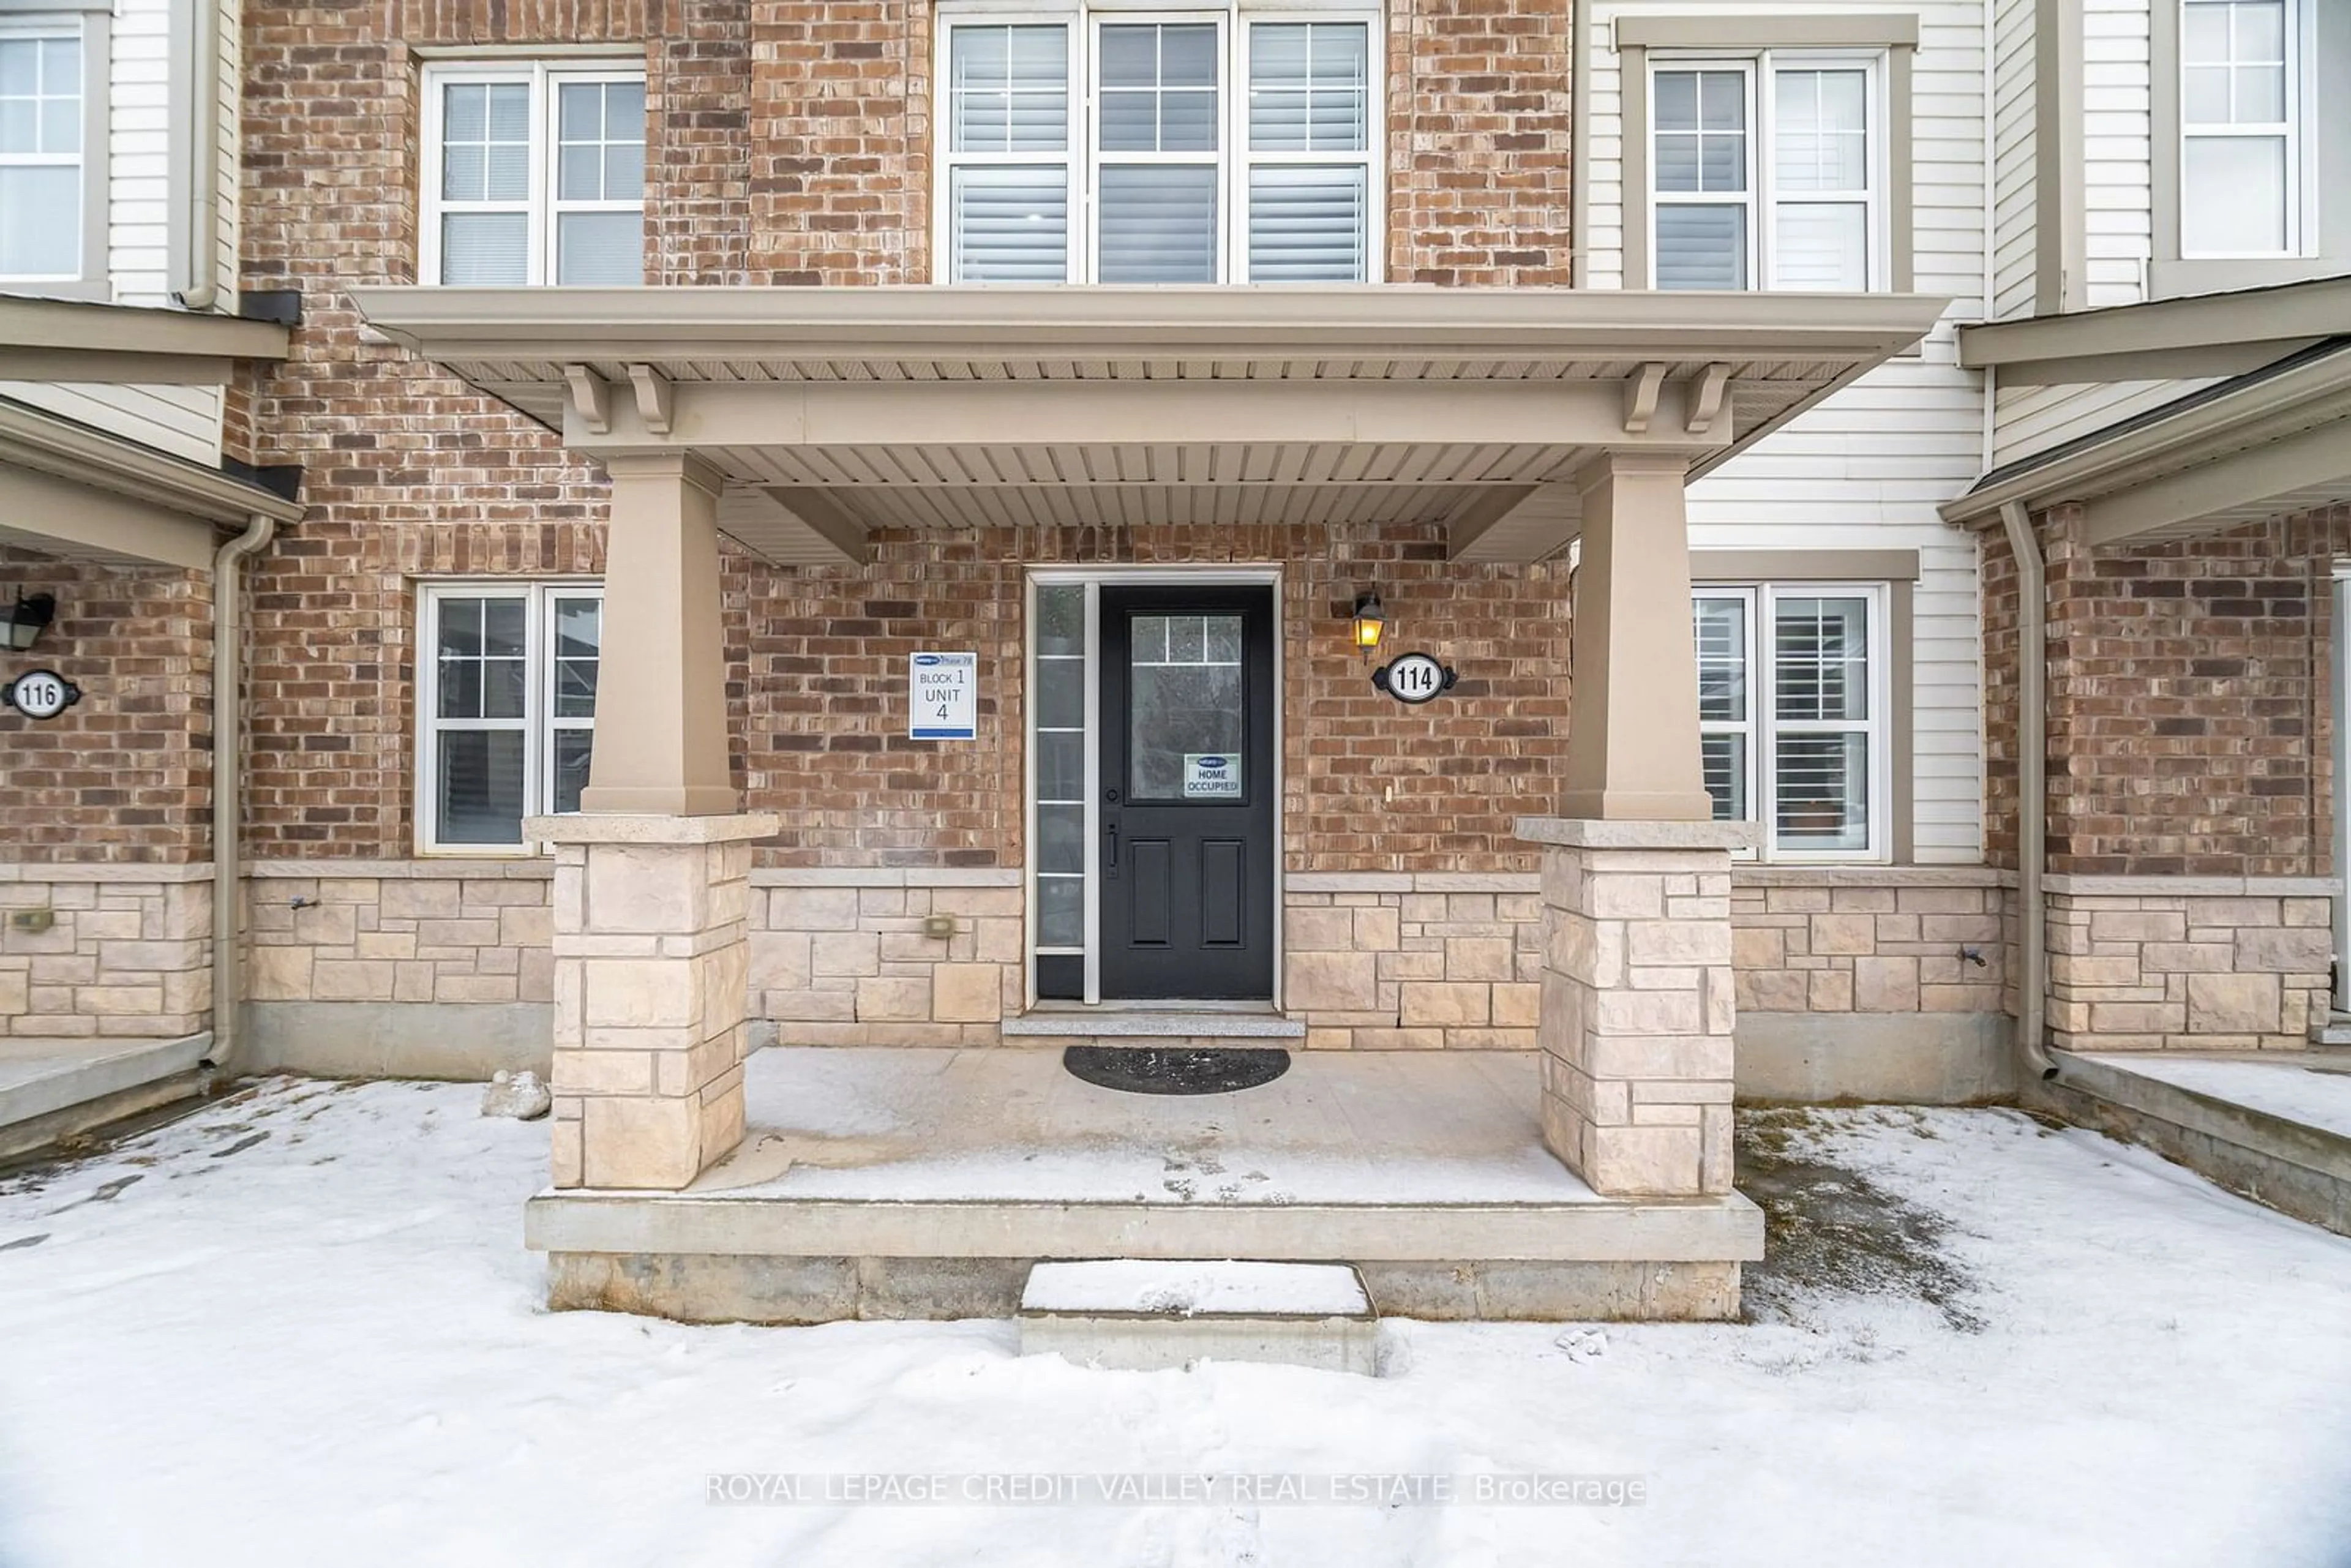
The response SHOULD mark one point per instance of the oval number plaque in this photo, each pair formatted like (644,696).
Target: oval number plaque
(41,694)
(1412,678)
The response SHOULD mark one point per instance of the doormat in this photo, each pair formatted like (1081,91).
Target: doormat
(1151,1070)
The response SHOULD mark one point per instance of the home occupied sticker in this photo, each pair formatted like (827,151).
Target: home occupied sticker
(1211,776)
(943,696)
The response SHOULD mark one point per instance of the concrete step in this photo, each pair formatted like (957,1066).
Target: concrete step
(2274,1126)
(1200,1027)
(2333,1032)
(53,1089)
(1145,1313)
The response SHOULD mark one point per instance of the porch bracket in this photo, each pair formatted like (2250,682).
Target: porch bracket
(591,399)
(654,398)
(1707,390)
(1641,389)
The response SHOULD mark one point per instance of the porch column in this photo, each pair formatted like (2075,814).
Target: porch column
(1636,1019)
(1634,755)
(653,876)
(660,682)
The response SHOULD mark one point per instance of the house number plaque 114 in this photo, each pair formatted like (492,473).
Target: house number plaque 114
(1412,678)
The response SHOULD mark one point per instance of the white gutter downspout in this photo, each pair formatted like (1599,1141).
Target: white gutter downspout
(229,781)
(2031,784)
(203,157)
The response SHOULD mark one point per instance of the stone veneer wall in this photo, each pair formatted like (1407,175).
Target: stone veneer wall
(128,954)
(1414,961)
(1876,939)
(2145,963)
(840,958)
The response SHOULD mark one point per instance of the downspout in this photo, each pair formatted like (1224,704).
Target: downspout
(2031,785)
(229,781)
(203,292)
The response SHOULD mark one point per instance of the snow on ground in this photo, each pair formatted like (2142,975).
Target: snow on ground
(301,1327)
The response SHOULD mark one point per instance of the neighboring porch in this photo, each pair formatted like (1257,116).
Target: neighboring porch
(807,425)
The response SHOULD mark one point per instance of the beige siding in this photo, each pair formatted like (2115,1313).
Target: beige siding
(2015,147)
(1867,469)
(182,420)
(2117,180)
(2033,419)
(138,155)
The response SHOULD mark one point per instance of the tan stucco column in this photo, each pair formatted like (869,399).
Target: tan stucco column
(1632,738)
(661,684)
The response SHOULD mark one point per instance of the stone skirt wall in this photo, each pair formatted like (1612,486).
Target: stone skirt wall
(2160,963)
(123,951)
(1413,961)
(841,958)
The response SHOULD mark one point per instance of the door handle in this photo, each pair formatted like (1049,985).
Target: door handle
(1109,849)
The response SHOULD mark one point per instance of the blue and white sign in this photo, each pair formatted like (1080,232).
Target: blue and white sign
(943,696)
(1211,777)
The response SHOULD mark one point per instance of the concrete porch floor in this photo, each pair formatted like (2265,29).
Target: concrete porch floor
(878,1182)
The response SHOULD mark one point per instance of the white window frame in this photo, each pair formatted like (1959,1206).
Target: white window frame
(90,27)
(538,723)
(542,78)
(1764,728)
(1232,157)
(2294,177)
(1761,198)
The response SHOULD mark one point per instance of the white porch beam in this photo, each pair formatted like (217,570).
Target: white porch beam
(2314,459)
(793,527)
(1145,414)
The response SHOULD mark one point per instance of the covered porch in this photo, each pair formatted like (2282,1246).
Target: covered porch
(805,425)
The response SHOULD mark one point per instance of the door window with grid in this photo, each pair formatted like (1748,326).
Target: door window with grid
(534,174)
(1191,148)
(507,686)
(1792,714)
(1765,173)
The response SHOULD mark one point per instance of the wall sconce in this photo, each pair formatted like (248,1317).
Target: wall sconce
(30,619)
(1371,623)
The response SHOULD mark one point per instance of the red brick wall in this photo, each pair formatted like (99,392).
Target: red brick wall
(2188,705)
(1370,784)
(1478,151)
(788,144)
(126,773)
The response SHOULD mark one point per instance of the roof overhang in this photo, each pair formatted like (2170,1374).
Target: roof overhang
(68,490)
(2162,339)
(2272,442)
(831,412)
(72,340)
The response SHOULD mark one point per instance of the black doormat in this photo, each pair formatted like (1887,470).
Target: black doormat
(1151,1070)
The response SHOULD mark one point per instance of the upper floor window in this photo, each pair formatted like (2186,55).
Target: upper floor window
(43,128)
(2241,181)
(1191,148)
(1767,173)
(534,174)
(1792,714)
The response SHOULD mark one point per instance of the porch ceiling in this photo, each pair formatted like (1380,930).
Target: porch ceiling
(844,410)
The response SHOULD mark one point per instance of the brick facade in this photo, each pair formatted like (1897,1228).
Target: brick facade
(126,774)
(2190,727)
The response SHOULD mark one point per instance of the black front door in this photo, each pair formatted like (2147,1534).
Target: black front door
(1188,792)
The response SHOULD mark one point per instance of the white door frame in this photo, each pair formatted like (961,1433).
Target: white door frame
(1093,578)
(2337,663)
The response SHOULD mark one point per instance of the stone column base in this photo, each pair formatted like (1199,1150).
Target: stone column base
(1636,1010)
(652,970)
